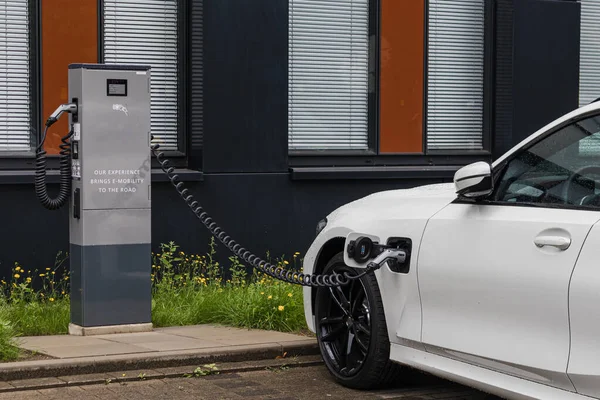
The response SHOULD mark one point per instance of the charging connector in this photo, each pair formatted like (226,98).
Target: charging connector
(364,249)
(393,256)
(69,107)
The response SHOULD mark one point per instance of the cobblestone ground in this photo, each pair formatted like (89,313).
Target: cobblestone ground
(282,384)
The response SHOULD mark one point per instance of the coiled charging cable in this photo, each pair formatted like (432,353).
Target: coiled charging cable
(65,173)
(298,278)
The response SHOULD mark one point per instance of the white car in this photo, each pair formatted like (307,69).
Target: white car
(498,287)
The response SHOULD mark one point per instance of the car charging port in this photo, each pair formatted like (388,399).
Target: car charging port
(394,252)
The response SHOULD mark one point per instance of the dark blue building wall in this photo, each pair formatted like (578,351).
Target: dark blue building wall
(238,127)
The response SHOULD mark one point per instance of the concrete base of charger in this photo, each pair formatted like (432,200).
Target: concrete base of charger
(77,330)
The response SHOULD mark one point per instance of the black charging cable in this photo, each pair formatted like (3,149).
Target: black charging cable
(286,275)
(64,190)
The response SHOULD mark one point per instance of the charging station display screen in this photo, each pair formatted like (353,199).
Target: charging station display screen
(116,87)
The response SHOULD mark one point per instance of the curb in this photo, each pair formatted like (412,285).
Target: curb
(140,361)
(223,371)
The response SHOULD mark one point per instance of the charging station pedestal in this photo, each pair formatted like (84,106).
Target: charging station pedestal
(110,228)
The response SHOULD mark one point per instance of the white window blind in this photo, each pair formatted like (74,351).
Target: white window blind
(145,32)
(328,74)
(589,67)
(15,119)
(455,75)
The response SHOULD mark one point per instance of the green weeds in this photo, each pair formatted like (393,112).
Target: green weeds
(187,289)
(191,289)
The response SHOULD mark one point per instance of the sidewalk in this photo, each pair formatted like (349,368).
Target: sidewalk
(164,347)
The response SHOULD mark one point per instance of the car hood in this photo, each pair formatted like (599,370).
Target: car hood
(417,202)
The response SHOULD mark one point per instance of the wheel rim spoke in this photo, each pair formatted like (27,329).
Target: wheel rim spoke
(343,357)
(337,301)
(359,298)
(343,300)
(350,290)
(363,347)
(334,334)
(362,328)
(332,320)
(349,343)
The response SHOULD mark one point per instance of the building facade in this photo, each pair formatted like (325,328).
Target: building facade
(275,112)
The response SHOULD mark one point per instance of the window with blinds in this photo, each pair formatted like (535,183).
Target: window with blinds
(145,32)
(589,67)
(328,74)
(15,117)
(455,75)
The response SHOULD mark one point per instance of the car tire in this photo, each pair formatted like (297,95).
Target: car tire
(356,317)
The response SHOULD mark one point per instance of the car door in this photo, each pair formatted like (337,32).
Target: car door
(584,297)
(494,274)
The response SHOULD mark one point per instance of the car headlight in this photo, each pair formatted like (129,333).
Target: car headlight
(321,225)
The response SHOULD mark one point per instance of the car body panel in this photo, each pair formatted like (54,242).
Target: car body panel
(388,212)
(491,296)
(584,302)
(484,379)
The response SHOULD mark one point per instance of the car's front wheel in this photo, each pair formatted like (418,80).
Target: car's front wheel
(352,332)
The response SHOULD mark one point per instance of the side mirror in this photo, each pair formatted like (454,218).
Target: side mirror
(474,181)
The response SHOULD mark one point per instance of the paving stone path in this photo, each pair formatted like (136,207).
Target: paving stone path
(279,383)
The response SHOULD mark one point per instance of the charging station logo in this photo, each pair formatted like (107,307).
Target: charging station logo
(121,107)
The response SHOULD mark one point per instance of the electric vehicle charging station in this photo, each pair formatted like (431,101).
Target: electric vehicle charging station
(110,205)
(104,176)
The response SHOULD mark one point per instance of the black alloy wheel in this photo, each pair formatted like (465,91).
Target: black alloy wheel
(351,330)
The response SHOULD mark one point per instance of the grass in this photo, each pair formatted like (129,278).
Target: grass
(191,289)
(261,305)
(187,289)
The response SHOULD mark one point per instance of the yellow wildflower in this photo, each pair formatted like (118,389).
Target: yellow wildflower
(270,297)
(42,275)
(51,299)
(286,262)
(28,280)
(262,292)
(289,295)
(280,308)
(47,269)
(17,276)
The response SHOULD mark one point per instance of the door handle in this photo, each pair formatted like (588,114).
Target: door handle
(560,242)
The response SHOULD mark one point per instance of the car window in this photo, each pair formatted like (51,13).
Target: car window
(563,168)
